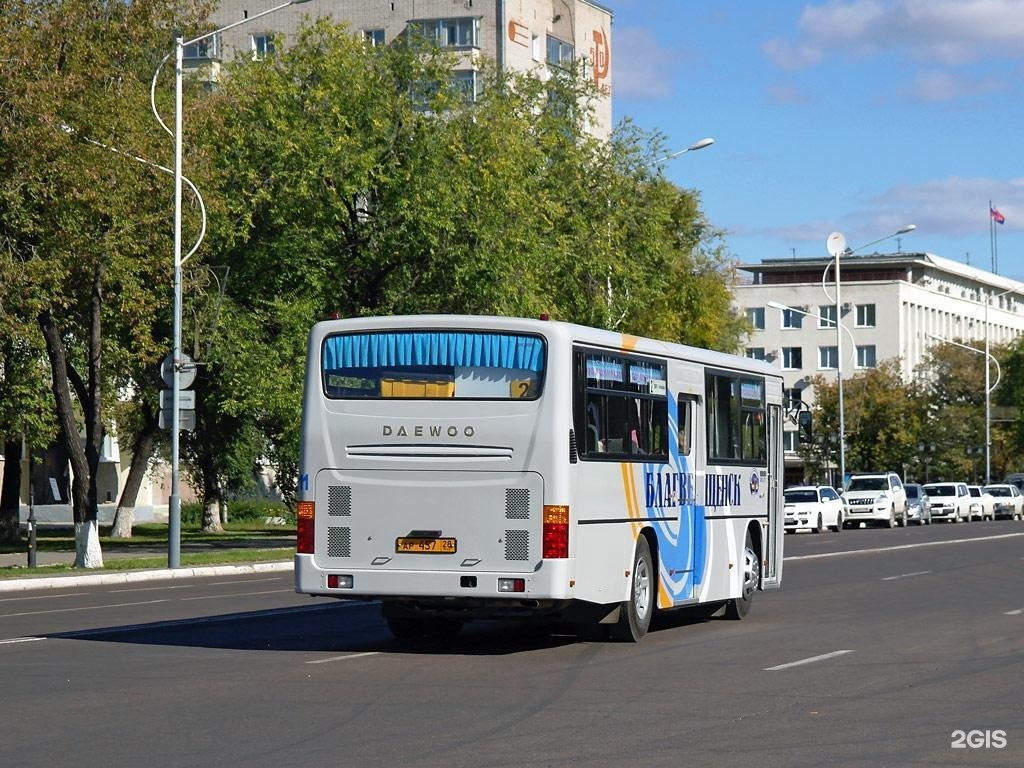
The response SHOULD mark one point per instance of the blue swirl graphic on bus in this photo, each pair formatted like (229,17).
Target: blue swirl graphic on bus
(682,538)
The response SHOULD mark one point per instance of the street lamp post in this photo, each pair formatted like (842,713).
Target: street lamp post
(989,388)
(174,505)
(786,308)
(835,244)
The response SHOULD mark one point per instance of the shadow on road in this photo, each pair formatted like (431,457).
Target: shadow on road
(352,627)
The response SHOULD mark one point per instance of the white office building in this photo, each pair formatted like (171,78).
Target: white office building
(892,306)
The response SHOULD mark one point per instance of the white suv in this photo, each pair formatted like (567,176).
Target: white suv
(949,501)
(877,497)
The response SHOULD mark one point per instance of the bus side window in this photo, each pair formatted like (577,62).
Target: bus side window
(595,432)
(685,437)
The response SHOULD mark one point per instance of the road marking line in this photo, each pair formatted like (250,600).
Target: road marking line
(902,546)
(12,640)
(811,660)
(243,581)
(150,589)
(1018,612)
(237,594)
(81,608)
(40,597)
(343,658)
(905,575)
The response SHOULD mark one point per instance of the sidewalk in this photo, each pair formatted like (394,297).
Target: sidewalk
(111,553)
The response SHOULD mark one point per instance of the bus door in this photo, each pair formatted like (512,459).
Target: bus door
(772,575)
(681,534)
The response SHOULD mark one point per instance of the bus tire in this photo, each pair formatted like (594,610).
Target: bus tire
(635,614)
(739,607)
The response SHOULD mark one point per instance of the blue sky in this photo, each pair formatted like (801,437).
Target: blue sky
(857,116)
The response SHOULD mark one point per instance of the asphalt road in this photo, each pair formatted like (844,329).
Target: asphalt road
(880,648)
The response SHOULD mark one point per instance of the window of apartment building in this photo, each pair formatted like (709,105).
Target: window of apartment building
(792,358)
(827,316)
(755,353)
(467,83)
(828,358)
(790,443)
(463,32)
(204,49)
(792,318)
(865,315)
(792,397)
(866,356)
(560,53)
(374,37)
(756,317)
(262,46)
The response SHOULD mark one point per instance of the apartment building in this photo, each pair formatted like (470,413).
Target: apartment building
(520,35)
(895,305)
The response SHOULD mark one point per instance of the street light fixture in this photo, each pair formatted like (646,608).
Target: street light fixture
(650,164)
(989,388)
(174,506)
(989,358)
(835,244)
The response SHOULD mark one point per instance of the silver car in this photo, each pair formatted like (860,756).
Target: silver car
(917,505)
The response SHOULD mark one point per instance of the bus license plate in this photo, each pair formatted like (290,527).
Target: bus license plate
(442,546)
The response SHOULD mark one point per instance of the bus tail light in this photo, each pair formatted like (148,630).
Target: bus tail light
(305,513)
(555,532)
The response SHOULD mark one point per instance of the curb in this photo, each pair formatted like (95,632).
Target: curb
(126,577)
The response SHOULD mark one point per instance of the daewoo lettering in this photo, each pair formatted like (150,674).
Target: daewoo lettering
(431,430)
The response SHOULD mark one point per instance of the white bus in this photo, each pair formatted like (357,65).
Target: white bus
(460,467)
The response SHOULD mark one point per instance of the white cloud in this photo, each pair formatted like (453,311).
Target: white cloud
(949,32)
(940,86)
(792,56)
(641,68)
(953,206)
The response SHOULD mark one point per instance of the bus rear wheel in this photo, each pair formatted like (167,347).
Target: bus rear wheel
(635,614)
(739,607)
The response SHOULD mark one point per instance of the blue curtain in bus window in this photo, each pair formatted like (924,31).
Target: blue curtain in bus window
(489,350)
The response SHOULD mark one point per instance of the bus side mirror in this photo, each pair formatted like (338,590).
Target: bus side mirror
(803,422)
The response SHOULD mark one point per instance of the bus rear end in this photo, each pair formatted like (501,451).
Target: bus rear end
(422,477)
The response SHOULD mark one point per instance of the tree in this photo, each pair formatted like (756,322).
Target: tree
(84,226)
(882,419)
(347,187)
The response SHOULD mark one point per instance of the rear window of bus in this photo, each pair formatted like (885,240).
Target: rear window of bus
(433,365)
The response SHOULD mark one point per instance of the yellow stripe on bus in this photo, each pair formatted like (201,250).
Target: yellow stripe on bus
(633,511)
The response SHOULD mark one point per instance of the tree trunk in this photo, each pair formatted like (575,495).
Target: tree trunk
(83,485)
(87,545)
(212,495)
(10,496)
(142,451)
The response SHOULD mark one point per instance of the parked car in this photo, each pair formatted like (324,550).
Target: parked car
(1009,502)
(983,503)
(876,497)
(1015,478)
(949,501)
(917,504)
(812,508)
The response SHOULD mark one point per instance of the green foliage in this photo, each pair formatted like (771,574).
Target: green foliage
(239,511)
(339,178)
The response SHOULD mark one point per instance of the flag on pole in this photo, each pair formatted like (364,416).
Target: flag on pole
(997,217)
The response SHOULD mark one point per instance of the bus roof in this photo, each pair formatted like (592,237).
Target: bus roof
(568,332)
